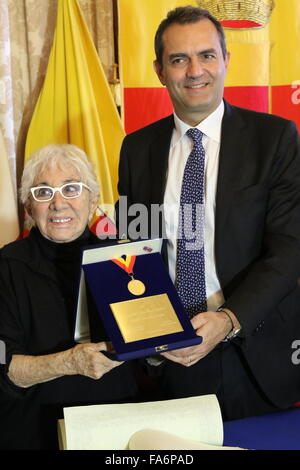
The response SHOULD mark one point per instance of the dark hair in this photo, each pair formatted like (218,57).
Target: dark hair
(185,15)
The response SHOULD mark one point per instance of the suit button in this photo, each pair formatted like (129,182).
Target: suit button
(259,326)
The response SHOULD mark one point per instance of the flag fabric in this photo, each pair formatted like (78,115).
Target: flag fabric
(76,104)
(9,223)
(285,60)
(264,69)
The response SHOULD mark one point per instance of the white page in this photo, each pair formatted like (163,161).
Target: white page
(111,426)
(161,440)
(143,247)
(82,325)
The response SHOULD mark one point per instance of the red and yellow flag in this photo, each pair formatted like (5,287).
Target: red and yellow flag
(264,70)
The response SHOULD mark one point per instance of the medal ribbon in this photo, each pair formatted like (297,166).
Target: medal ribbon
(126,264)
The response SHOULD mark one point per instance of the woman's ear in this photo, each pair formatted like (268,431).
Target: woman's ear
(29,220)
(94,199)
(27,207)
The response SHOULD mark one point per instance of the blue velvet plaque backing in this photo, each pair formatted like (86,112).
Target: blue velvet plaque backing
(108,284)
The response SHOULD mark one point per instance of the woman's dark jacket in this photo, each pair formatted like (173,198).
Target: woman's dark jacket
(38,288)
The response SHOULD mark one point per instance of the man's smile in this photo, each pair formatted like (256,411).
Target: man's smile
(199,85)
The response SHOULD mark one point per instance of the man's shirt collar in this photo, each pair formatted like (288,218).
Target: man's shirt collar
(210,126)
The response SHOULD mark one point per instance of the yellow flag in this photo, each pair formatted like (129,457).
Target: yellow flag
(76,105)
(9,224)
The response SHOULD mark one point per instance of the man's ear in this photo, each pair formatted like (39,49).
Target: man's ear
(227,59)
(158,68)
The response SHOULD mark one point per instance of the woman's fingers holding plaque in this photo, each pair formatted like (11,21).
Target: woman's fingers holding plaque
(93,359)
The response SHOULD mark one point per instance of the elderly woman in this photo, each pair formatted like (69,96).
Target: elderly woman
(45,370)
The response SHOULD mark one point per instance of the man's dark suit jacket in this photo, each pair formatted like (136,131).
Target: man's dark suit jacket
(257,239)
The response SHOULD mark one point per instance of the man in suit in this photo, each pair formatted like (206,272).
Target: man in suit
(251,227)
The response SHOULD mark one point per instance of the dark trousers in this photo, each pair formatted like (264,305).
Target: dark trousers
(223,372)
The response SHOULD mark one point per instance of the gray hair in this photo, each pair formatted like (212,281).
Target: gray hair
(58,156)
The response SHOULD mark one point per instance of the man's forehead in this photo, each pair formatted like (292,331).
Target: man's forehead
(203,34)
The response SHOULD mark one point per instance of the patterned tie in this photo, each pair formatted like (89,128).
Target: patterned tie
(190,265)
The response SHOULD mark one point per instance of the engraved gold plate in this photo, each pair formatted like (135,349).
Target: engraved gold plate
(148,317)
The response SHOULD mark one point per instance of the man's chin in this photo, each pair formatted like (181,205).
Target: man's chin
(194,112)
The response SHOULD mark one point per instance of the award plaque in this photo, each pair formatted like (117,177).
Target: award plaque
(147,317)
(135,298)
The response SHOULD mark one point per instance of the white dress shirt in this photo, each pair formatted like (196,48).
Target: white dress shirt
(180,148)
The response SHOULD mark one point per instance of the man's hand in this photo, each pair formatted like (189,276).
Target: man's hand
(213,327)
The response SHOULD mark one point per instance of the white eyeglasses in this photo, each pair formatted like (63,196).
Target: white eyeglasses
(67,191)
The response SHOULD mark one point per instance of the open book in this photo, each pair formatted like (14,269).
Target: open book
(186,423)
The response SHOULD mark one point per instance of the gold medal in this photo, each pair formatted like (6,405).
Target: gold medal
(136,287)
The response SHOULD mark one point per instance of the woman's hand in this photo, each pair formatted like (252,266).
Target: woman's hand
(87,360)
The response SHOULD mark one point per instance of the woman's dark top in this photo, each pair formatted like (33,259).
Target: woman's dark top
(38,294)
